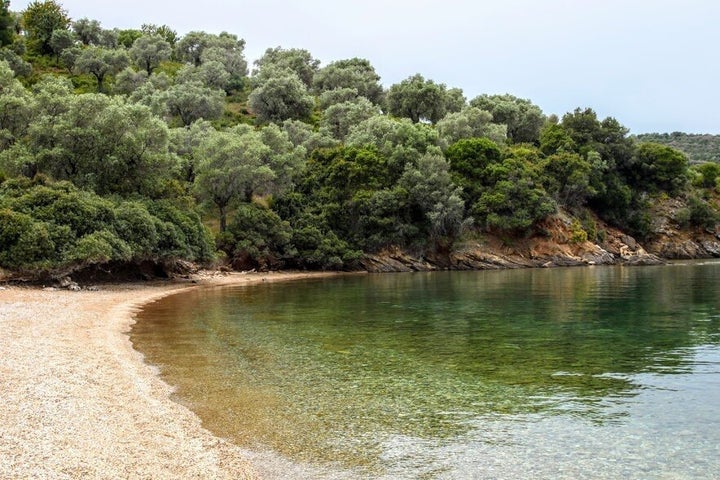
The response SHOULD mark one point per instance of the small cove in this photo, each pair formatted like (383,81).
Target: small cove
(553,373)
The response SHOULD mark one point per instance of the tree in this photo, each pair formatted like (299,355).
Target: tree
(340,117)
(512,198)
(192,101)
(190,48)
(162,31)
(69,56)
(354,73)
(100,62)
(40,20)
(234,165)
(60,41)
(7,22)
(210,74)
(149,51)
(109,38)
(128,80)
(470,122)
(523,119)
(659,168)
(430,187)
(399,140)
(15,107)
(233,63)
(280,98)
(100,143)
(303,134)
(417,99)
(185,142)
(567,179)
(16,63)
(329,98)
(127,37)
(709,173)
(88,31)
(298,60)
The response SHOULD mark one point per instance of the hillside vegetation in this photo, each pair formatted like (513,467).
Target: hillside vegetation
(699,148)
(141,145)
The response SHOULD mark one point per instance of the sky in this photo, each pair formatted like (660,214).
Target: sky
(651,64)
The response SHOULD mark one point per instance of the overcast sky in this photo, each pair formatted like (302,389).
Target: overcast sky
(652,64)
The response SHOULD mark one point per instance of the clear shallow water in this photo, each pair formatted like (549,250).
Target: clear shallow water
(554,373)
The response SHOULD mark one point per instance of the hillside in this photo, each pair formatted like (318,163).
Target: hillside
(143,149)
(699,148)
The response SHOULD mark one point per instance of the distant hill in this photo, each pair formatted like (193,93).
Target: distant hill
(698,147)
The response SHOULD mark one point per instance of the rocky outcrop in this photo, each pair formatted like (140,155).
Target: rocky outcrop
(554,248)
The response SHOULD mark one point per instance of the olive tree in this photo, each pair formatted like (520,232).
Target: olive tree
(88,31)
(237,164)
(471,122)
(431,189)
(283,96)
(61,40)
(192,101)
(100,62)
(417,99)
(148,51)
(354,73)
(524,120)
(340,117)
(298,60)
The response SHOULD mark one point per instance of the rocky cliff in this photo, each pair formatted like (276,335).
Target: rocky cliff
(556,246)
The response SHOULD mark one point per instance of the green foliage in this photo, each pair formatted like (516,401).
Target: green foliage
(577,232)
(7,24)
(513,199)
(399,141)
(61,40)
(193,101)
(339,118)
(417,99)
(523,119)
(567,179)
(162,31)
(148,51)
(235,165)
(470,122)
(56,226)
(699,213)
(127,37)
(100,143)
(281,98)
(301,167)
(469,161)
(101,62)
(659,168)
(88,31)
(431,191)
(709,174)
(699,148)
(555,138)
(190,48)
(299,61)
(354,73)
(257,238)
(40,20)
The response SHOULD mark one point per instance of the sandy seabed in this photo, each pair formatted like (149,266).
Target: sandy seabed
(77,401)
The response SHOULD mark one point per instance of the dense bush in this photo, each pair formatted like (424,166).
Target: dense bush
(57,226)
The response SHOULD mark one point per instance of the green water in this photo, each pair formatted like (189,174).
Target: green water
(553,373)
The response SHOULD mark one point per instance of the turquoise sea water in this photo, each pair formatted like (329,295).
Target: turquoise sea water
(602,372)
